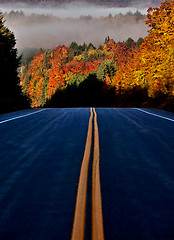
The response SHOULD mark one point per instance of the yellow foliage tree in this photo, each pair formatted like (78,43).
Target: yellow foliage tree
(152,65)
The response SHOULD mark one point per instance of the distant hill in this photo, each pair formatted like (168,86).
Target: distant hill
(118,3)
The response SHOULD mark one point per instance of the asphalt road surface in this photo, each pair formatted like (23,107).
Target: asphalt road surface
(41,153)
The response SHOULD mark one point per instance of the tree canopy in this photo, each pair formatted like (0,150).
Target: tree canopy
(10,92)
(140,71)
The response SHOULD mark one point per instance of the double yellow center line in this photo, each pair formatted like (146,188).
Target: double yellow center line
(78,231)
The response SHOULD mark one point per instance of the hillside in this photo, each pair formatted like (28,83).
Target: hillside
(115,74)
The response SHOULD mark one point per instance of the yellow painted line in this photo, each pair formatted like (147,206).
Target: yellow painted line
(78,231)
(97,216)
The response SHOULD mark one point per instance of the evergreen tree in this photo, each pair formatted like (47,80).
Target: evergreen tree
(129,42)
(139,42)
(90,46)
(10,92)
(106,40)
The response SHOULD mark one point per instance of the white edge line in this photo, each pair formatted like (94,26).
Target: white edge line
(172,120)
(10,119)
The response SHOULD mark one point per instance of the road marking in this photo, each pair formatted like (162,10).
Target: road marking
(78,231)
(11,119)
(97,216)
(156,115)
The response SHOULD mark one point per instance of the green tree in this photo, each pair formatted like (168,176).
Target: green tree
(138,14)
(139,42)
(107,68)
(129,13)
(110,16)
(129,42)
(44,95)
(74,47)
(26,82)
(106,40)
(90,46)
(46,63)
(10,92)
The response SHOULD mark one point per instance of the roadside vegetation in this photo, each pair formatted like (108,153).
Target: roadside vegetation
(10,91)
(115,74)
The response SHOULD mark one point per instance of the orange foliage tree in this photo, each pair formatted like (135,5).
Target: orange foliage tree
(151,66)
(56,74)
(50,71)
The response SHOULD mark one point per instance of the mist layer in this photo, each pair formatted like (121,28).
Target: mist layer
(47,27)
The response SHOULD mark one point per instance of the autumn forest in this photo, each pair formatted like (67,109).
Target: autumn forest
(114,74)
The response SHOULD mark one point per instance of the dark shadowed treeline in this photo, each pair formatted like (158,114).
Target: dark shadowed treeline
(10,91)
(95,93)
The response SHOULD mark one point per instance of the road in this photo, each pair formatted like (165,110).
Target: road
(40,162)
(137,174)
(41,153)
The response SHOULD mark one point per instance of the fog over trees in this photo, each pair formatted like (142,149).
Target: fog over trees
(47,29)
(94,41)
(46,23)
